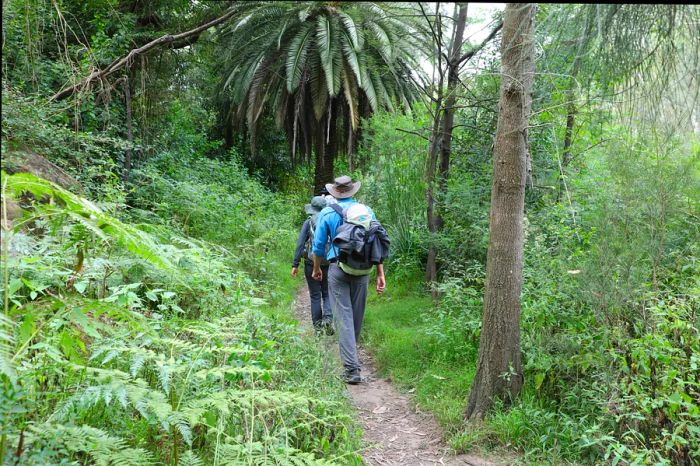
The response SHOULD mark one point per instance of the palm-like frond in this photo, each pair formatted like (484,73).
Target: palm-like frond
(298,57)
(327,38)
(350,92)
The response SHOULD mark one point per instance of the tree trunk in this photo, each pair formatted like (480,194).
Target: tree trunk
(433,154)
(568,139)
(571,109)
(129,129)
(443,148)
(324,147)
(499,368)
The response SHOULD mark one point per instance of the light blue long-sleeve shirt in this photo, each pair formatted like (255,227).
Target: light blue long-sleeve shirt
(326,226)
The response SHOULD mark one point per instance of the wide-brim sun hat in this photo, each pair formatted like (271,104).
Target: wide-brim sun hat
(317,204)
(343,187)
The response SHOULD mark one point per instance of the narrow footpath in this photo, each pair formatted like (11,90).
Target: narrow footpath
(394,432)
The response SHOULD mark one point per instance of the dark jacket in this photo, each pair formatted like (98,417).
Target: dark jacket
(301,250)
(301,242)
(350,242)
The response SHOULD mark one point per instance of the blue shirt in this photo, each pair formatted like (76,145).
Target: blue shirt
(326,225)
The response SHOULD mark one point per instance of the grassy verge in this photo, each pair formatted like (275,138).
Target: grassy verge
(398,332)
(395,326)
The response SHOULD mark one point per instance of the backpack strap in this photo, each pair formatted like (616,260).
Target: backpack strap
(338,210)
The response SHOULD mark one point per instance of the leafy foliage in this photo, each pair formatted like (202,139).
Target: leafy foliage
(319,68)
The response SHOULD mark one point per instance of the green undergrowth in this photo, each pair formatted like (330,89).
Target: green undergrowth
(401,330)
(395,329)
(129,339)
(430,352)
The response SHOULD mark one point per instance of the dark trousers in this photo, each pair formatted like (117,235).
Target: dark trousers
(318,291)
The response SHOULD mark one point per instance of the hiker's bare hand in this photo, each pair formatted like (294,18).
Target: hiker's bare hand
(295,270)
(317,274)
(381,284)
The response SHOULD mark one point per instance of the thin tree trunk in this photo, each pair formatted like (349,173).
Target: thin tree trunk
(499,368)
(572,109)
(129,130)
(568,139)
(443,149)
(433,154)
(323,172)
(448,115)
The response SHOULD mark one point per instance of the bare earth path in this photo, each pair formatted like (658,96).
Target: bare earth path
(394,433)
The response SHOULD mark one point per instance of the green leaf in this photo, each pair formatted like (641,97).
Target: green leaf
(296,57)
(329,51)
(81,286)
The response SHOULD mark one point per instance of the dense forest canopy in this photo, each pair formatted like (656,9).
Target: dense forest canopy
(536,166)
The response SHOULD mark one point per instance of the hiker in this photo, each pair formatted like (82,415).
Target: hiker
(321,314)
(327,195)
(358,242)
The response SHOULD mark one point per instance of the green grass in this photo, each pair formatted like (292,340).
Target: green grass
(396,330)
(395,325)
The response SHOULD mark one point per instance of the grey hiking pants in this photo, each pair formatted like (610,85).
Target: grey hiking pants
(348,299)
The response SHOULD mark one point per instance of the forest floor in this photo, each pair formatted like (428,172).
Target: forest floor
(395,433)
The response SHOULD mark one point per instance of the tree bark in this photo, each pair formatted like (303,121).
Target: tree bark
(324,147)
(568,139)
(446,126)
(433,156)
(499,368)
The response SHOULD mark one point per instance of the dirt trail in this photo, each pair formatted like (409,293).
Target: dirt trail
(394,433)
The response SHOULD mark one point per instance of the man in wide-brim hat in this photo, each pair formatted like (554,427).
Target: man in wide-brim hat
(348,292)
(343,187)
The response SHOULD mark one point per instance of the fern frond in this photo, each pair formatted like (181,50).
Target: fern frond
(6,347)
(87,214)
(102,448)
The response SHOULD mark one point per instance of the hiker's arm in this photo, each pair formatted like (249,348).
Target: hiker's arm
(381,280)
(317,273)
(300,247)
(318,244)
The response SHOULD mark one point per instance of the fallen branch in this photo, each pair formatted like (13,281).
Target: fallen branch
(180,40)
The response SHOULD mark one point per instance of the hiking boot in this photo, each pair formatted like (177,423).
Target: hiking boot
(328,327)
(318,328)
(352,377)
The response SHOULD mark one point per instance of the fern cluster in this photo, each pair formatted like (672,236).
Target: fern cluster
(101,369)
